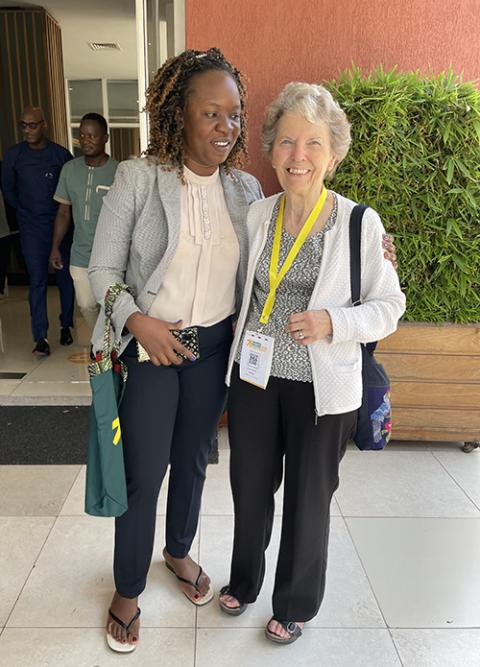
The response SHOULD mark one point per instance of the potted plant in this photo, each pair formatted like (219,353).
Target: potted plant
(415,158)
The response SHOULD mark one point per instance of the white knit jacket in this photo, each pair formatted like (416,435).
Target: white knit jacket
(336,363)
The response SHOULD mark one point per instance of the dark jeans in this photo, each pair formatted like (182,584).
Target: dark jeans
(169,414)
(272,430)
(36,252)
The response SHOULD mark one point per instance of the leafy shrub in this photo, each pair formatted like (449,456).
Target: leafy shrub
(415,158)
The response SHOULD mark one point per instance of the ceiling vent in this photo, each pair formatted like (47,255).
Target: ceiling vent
(104,46)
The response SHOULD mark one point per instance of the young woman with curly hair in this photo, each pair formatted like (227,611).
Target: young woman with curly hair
(173,228)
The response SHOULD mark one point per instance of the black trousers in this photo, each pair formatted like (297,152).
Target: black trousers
(169,414)
(272,430)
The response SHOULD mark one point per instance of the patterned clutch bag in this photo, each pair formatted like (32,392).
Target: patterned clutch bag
(187,337)
(142,354)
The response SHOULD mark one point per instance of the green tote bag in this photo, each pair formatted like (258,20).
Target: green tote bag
(106,488)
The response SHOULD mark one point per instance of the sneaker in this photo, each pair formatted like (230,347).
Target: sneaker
(65,336)
(42,348)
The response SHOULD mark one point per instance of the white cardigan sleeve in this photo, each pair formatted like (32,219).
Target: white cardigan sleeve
(383,302)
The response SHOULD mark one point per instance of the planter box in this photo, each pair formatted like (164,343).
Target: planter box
(435,373)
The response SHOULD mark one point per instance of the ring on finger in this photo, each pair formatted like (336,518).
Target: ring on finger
(300,335)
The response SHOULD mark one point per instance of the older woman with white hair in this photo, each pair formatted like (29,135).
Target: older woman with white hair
(295,364)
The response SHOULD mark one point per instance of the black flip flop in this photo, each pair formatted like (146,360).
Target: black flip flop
(291,627)
(114,644)
(231,611)
(204,599)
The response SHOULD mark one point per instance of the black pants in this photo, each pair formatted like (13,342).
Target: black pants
(169,414)
(266,426)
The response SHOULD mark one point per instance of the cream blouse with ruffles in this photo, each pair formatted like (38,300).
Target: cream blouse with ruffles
(199,285)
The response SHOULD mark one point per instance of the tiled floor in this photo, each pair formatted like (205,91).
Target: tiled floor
(61,378)
(403,584)
(403,579)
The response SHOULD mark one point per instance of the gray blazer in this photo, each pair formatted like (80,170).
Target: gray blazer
(138,232)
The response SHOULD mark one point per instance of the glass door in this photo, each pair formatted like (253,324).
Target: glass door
(160,35)
(115,99)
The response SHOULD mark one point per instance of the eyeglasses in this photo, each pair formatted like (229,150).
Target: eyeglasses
(31,126)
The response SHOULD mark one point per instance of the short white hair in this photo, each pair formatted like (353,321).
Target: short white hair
(314,103)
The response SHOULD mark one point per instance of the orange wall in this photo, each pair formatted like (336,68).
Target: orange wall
(276,41)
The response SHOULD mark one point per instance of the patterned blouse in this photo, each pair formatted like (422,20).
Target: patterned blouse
(290,360)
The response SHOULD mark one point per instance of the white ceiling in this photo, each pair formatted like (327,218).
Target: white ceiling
(85,21)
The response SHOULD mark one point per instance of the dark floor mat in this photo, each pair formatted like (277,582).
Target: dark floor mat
(48,435)
(43,434)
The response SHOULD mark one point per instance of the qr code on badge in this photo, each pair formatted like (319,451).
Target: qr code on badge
(253,359)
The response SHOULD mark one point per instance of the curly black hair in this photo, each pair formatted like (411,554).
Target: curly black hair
(168,92)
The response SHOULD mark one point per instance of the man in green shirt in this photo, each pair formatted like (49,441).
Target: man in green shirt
(81,187)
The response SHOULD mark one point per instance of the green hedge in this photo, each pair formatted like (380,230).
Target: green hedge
(415,158)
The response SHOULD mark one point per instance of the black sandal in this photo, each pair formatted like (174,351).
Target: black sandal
(203,599)
(115,645)
(292,628)
(231,611)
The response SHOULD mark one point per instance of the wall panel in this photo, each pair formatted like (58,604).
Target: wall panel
(278,41)
(31,73)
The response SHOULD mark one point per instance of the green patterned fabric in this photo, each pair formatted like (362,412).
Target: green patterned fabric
(106,488)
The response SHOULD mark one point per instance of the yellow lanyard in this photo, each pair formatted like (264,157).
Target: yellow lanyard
(276,276)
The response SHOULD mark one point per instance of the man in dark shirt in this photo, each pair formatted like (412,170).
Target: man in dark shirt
(29,178)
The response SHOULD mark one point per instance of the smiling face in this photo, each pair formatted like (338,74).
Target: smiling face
(301,154)
(211,121)
(92,139)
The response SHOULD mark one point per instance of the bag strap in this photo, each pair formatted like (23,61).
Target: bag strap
(356,217)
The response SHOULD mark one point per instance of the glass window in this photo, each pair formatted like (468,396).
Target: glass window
(76,142)
(122,101)
(85,97)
